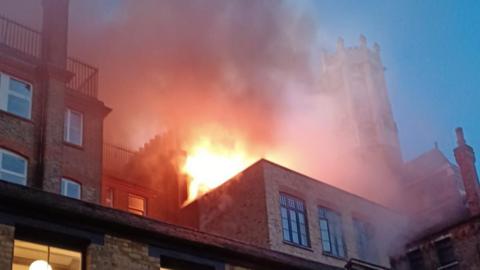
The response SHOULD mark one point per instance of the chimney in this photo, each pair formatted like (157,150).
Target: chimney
(55,32)
(465,158)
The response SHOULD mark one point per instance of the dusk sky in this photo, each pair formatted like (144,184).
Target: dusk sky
(431,51)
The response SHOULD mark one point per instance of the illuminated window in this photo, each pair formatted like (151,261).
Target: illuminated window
(15,96)
(331,232)
(13,168)
(136,204)
(73,127)
(294,220)
(71,189)
(32,256)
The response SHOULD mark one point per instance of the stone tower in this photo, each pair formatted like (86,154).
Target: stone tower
(354,76)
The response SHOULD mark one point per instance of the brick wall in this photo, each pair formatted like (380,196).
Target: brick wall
(89,155)
(17,134)
(120,254)
(315,194)
(237,209)
(6,246)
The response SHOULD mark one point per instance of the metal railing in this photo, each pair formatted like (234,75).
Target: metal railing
(85,77)
(29,42)
(115,157)
(20,37)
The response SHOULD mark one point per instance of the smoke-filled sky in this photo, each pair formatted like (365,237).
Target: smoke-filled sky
(430,50)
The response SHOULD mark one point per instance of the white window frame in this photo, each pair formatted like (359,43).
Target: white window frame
(5,92)
(64,191)
(66,132)
(25,170)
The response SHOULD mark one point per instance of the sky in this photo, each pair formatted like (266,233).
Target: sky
(431,51)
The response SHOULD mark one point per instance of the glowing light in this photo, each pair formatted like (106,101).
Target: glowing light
(211,164)
(40,265)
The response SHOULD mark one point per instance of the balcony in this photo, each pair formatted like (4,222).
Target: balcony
(28,42)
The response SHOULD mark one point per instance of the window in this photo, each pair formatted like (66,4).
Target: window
(13,168)
(446,254)
(294,220)
(415,260)
(15,96)
(33,256)
(73,127)
(109,197)
(365,241)
(331,232)
(71,189)
(136,204)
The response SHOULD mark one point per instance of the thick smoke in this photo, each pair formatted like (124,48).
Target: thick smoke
(237,69)
(191,65)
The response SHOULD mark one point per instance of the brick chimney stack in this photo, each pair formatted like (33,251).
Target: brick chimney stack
(465,157)
(54,78)
(55,32)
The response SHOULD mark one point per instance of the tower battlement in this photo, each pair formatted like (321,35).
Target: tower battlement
(359,53)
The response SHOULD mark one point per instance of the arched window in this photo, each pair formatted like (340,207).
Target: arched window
(71,189)
(13,168)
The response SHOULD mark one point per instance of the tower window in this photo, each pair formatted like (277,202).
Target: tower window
(13,168)
(71,189)
(331,232)
(73,127)
(15,96)
(294,220)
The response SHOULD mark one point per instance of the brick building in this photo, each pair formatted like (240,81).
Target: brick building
(279,209)
(70,201)
(450,242)
(52,174)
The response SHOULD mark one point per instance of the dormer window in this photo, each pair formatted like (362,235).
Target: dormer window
(73,127)
(15,96)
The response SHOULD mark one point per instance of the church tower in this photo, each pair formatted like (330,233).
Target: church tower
(354,76)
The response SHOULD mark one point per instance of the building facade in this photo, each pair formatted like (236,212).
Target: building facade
(279,209)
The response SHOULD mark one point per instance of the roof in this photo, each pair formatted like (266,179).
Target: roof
(426,164)
(31,203)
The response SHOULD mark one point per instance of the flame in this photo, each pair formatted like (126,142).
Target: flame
(210,163)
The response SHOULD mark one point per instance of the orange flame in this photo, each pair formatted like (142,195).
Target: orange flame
(210,164)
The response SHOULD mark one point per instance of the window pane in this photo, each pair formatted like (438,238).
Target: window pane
(26,254)
(136,204)
(73,127)
(12,178)
(19,87)
(13,163)
(18,106)
(71,189)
